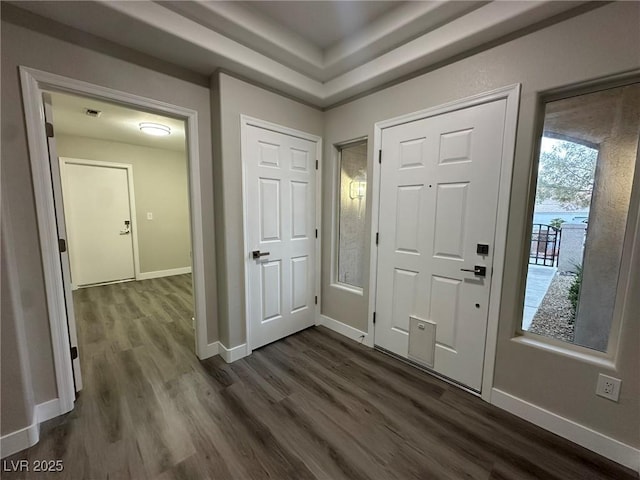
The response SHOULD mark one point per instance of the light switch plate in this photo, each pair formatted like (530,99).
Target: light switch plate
(149,216)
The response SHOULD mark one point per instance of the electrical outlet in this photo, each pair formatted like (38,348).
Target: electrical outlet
(608,387)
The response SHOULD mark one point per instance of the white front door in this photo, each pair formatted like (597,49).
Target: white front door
(280,202)
(98,213)
(438,205)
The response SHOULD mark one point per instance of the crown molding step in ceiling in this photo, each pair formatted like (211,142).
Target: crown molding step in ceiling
(322,52)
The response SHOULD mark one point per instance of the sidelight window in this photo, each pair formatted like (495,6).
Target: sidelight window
(352,193)
(582,215)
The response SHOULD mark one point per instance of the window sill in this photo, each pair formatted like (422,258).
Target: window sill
(595,358)
(348,288)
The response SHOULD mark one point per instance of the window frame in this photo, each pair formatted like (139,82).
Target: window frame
(630,247)
(335,253)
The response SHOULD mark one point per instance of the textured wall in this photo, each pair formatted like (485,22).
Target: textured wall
(16,395)
(595,44)
(608,217)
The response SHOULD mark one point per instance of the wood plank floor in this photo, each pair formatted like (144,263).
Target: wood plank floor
(312,406)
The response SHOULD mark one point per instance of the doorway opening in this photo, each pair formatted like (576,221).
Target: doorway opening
(121,192)
(37,86)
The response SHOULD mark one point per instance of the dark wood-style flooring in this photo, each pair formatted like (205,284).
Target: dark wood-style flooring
(312,406)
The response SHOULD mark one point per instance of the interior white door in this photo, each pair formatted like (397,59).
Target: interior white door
(98,213)
(63,238)
(280,199)
(438,203)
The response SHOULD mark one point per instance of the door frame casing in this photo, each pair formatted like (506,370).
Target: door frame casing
(245,122)
(33,84)
(511,94)
(132,203)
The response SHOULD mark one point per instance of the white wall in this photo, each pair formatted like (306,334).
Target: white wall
(598,43)
(161,187)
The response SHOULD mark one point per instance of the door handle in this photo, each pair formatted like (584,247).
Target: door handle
(127,228)
(478,271)
(257,254)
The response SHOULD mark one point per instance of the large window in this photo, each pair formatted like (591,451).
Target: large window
(351,207)
(588,152)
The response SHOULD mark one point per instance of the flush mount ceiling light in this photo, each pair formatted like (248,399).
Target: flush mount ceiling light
(155,129)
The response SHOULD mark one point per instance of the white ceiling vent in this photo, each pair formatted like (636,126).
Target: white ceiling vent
(92,112)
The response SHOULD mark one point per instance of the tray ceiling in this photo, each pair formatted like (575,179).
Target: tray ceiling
(320,52)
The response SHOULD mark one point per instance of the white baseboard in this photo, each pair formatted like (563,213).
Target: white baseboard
(232,354)
(28,436)
(343,329)
(163,273)
(48,410)
(229,355)
(210,350)
(20,439)
(590,439)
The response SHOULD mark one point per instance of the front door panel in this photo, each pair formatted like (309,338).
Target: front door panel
(438,200)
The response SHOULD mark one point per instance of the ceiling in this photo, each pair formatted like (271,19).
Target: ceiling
(116,123)
(321,52)
(322,24)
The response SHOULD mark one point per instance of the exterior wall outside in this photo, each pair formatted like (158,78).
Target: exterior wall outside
(607,224)
(571,247)
(596,44)
(21,46)
(161,187)
(235,98)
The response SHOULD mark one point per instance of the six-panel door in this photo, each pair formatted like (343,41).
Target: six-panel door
(280,199)
(438,201)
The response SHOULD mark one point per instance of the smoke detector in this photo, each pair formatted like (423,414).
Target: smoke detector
(91,112)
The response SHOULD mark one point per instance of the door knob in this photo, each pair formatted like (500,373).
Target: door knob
(257,254)
(478,271)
